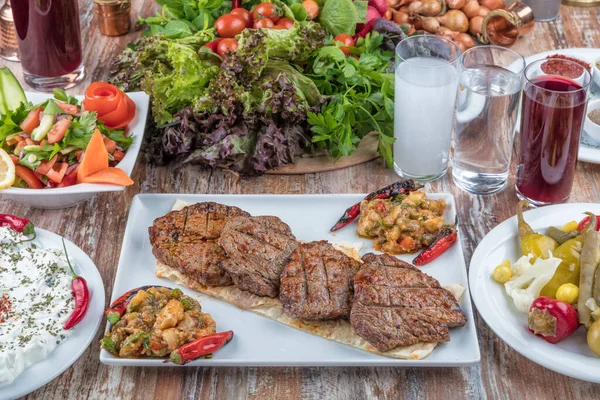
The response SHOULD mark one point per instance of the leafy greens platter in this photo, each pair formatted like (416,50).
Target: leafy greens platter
(281,94)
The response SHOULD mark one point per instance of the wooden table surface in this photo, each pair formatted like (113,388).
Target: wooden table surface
(97,226)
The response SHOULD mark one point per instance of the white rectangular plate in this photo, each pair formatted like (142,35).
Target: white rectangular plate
(259,341)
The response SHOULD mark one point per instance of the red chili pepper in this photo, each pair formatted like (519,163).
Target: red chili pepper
(586,221)
(551,319)
(396,188)
(213,45)
(81,294)
(200,347)
(368,27)
(445,240)
(18,224)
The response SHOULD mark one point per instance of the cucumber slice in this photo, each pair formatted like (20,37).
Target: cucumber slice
(42,130)
(11,92)
(32,147)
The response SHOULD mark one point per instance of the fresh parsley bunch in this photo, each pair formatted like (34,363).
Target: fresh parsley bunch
(361,94)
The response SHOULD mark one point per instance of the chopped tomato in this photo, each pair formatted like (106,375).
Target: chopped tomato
(28,177)
(28,142)
(46,166)
(32,120)
(19,148)
(57,173)
(14,140)
(70,179)
(79,155)
(408,243)
(118,155)
(14,159)
(67,108)
(58,131)
(110,144)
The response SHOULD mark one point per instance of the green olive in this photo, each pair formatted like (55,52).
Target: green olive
(593,337)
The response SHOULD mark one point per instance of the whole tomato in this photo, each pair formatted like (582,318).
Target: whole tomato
(285,23)
(263,23)
(245,14)
(346,40)
(230,25)
(266,10)
(227,46)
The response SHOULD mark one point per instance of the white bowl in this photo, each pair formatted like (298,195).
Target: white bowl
(580,79)
(72,195)
(592,129)
(596,73)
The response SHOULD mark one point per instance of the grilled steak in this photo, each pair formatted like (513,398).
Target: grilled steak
(260,247)
(317,283)
(187,241)
(395,304)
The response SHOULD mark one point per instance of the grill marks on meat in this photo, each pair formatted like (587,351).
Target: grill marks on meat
(259,247)
(317,282)
(395,304)
(186,240)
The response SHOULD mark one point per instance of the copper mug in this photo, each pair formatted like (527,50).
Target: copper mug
(504,27)
(112,16)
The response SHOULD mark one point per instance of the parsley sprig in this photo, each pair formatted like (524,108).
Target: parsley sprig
(362,97)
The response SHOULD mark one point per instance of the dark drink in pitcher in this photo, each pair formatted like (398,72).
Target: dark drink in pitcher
(552,118)
(49,39)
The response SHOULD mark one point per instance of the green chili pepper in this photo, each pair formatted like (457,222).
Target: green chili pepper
(108,345)
(187,304)
(531,242)
(561,236)
(589,261)
(176,294)
(131,341)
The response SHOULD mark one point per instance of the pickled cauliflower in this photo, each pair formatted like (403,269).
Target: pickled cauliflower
(528,280)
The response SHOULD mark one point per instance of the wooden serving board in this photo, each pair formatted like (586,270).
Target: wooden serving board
(367,151)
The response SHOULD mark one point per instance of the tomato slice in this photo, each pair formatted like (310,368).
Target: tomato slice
(46,166)
(58,131)
(102,97)
(32,120)
(122,116)
(67,108)
(28,177)
(70,179)
(57,172)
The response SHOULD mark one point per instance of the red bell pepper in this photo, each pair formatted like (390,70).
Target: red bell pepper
(551,319)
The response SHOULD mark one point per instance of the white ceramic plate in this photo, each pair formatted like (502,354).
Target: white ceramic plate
(72,195)
(589,151)
(259,341)
(73,347)
(570,357)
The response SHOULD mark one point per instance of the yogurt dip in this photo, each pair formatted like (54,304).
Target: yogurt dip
(35,302)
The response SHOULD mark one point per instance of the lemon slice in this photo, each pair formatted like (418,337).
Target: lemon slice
(7,170)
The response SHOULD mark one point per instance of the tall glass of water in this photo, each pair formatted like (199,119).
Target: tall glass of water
(425,100)
(490,86)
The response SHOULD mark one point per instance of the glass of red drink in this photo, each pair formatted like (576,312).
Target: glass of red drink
(49,42)
(552,115)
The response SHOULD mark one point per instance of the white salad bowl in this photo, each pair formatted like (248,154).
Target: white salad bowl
(69,196)
(592,129)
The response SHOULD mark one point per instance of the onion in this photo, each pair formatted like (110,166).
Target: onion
(492,4)
(404,9)
(455,20)
(401,17)
(406,2)
(430,24)
(393,3)
(483,11)
(471,8)
(388,15)
(415,7)
(465,39)
(430,8)
(379,5)
(475,25)
(455,4)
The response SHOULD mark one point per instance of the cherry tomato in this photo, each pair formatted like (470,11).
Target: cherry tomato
(285,23)
(230,25)
(266,10)
(312,8)
(345,39)
(245,14)
(263,23)
(227,46)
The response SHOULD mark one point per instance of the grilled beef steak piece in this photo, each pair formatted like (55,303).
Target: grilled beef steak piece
(317,283)
(187,241)
(259,247)
(395,304)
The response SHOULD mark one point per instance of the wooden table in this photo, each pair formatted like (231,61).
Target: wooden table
(97,226)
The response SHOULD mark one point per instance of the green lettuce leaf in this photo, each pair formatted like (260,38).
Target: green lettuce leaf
(341,16)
